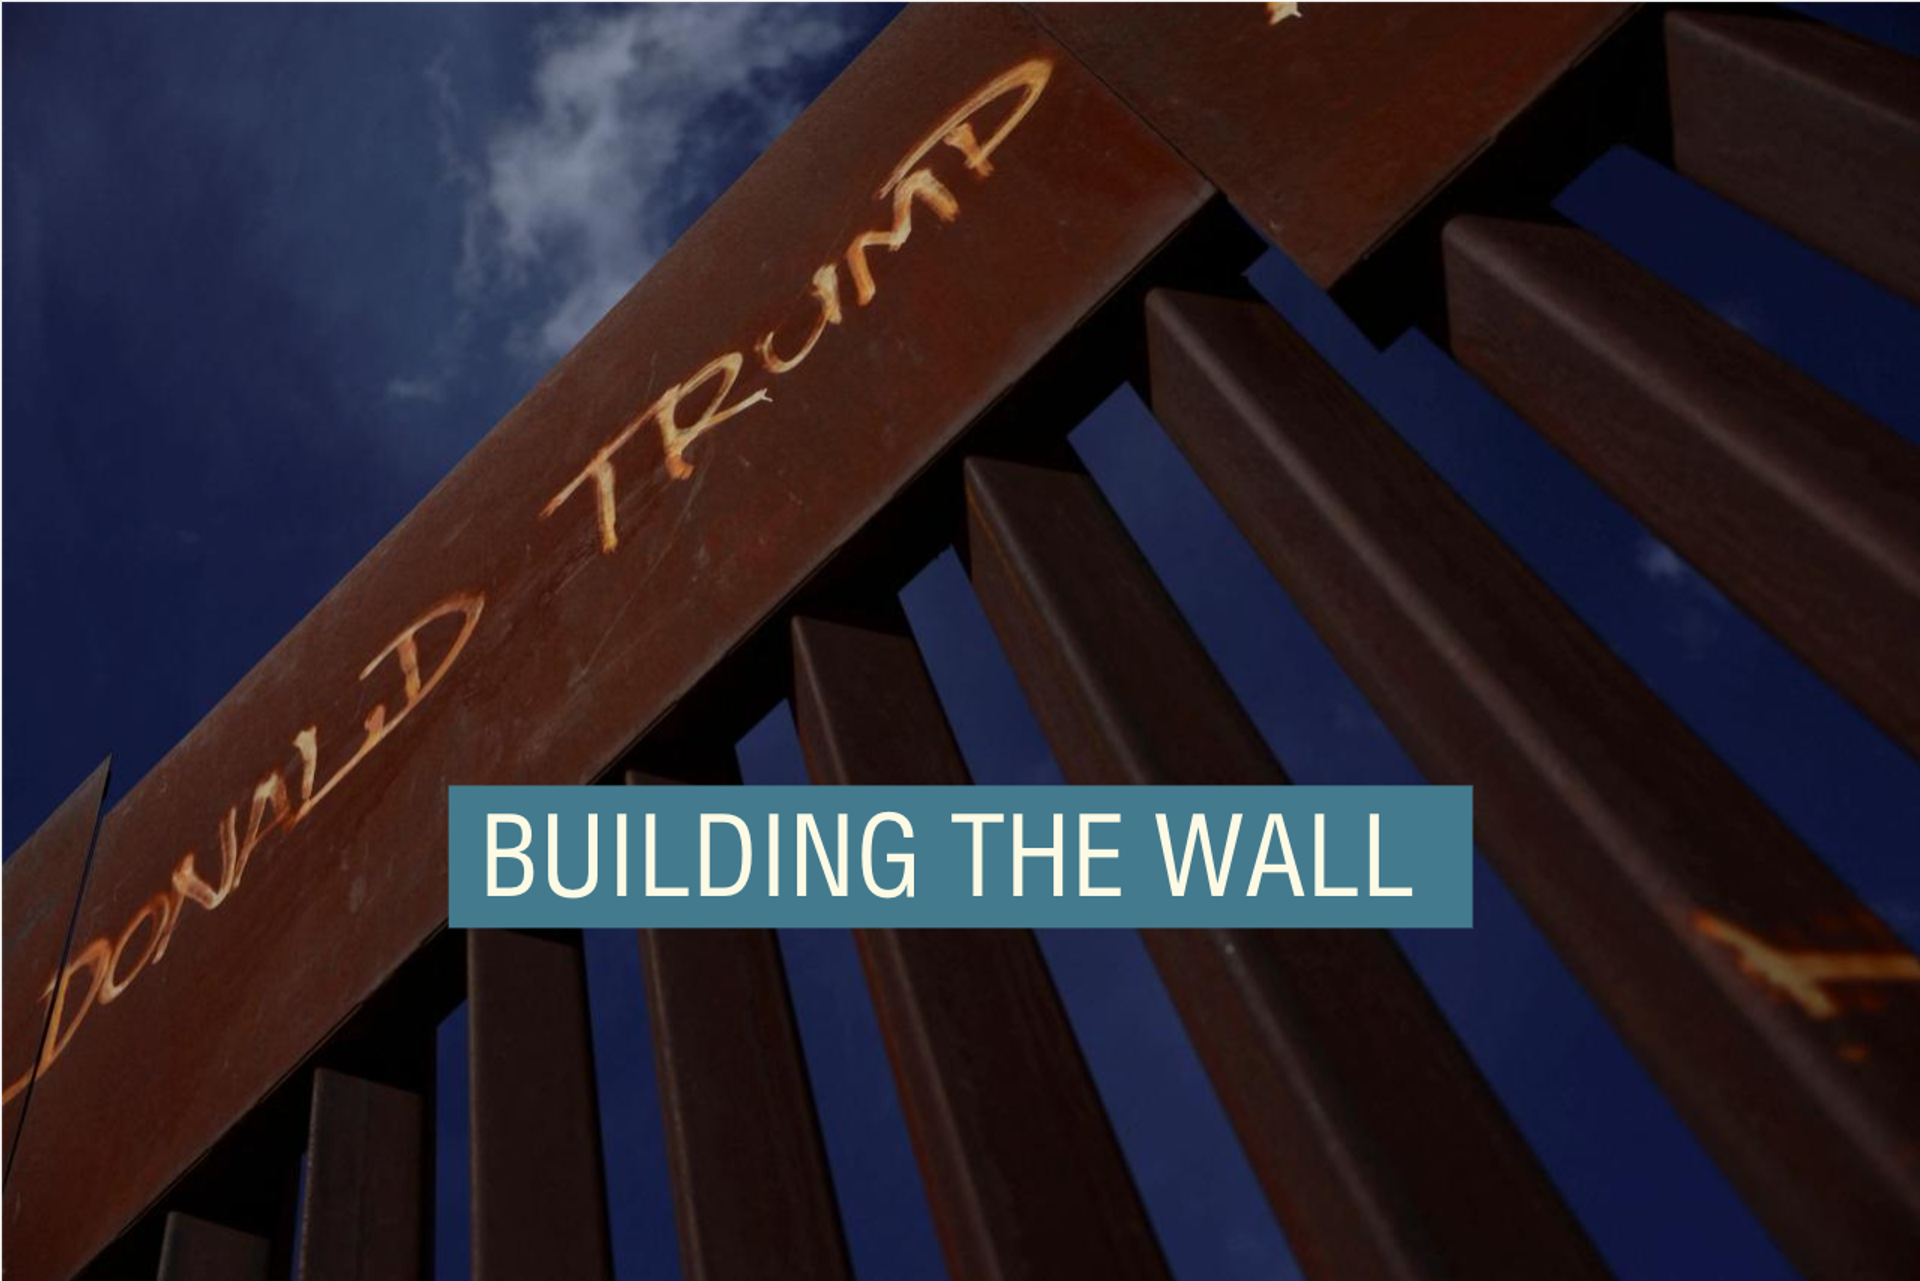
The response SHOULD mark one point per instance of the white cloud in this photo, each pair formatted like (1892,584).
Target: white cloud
(576,197)
(1698,610)
(431,390)
(1660,563)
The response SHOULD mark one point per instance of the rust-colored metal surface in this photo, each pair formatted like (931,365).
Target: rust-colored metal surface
(41,892)
(749,1165)
(744,1141)
(1021,1165)
(942,216)
(1813,129)
(619,562)
(1022,1169)
(1380,1146)
(1801,508)
(365,1212)
(1117,680)
(863,703)
(1377,1142)
(750,1176)
(196,1249)
(1774,1008)
(539,1186)
(1329,125)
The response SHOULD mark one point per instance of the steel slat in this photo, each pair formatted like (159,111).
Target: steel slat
(196,1249)
(1809,127)
(750,1177)
(864,705)
(1431,1178)
(1022,1167)
(589,564)
(539,1193)
(1802,509)
(1692,914)
(369,1177)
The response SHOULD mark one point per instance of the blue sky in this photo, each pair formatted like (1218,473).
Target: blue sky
(270,272)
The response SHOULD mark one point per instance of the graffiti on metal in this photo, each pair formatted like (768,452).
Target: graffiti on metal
(101,970)
(910,180)
(1804,976)
(104,961)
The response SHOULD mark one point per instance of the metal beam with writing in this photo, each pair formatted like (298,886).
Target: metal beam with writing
(1369,109)
(949,209)
(41,893)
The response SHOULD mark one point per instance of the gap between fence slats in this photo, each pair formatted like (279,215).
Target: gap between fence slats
(1022,1168)
(1380,1147)
(1692,914)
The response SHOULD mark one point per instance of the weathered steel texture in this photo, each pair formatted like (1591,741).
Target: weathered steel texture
(1773,1007)
(1022,1169)
(195,1249)
(751,1185)
(863,703)
(1809,127)
(883,275)
(1120,685)
(1328,126)
(751,1189)
(1801,508)
(369,1181)
(1431,1179)
(1339,1017)
(1021,1165)
(39,894)
(539,1191)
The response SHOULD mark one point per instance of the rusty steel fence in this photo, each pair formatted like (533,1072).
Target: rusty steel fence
(868,351)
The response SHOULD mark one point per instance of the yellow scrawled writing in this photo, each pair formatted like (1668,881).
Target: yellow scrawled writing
(911,183)
(100,971)
(1804,976)
(103,968)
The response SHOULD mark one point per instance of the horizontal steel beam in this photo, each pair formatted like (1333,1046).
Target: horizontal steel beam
(948,211)
(41,889)
(1329,126)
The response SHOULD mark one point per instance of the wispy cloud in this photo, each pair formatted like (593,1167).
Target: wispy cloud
(1661,563)
(431,390)
(627,123)
(631,113)
(1699,610)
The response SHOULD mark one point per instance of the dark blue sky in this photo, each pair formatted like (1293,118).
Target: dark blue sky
(268,273)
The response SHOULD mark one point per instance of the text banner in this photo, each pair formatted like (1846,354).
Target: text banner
(655,857)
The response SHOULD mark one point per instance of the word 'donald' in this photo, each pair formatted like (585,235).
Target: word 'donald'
(102,969)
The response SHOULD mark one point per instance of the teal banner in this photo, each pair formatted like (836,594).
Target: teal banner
(919,857)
